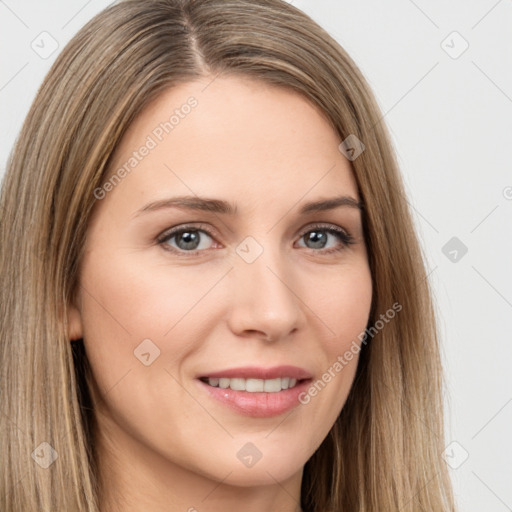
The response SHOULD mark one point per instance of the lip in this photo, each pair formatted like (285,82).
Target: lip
(255,372)
(261,404)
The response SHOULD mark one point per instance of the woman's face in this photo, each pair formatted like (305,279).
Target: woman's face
(256,291)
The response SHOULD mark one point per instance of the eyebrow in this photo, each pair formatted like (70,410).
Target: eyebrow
(224,207)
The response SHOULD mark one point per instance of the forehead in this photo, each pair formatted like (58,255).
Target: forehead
(231,137)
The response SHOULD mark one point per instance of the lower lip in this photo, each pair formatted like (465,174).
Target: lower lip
(258,405)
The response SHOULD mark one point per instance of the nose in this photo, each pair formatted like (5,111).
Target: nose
(264,298)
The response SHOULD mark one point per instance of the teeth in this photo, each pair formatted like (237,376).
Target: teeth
(237,384)
(272,385)
(253,385)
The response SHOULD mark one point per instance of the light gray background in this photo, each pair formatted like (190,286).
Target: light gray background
(450,116)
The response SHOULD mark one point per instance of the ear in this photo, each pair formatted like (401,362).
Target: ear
(75,329)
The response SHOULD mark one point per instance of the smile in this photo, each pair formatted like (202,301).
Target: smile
(256,391)
(252,385)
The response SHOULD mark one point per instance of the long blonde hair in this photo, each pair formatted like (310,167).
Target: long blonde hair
(384,451)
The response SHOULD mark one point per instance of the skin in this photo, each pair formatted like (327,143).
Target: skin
(163,443)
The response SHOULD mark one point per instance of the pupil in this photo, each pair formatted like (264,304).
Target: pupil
(318,238)
(190,239)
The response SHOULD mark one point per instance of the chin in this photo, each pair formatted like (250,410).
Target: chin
(262,469)
(261,475)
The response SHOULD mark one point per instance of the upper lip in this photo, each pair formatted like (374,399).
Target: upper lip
(255,372)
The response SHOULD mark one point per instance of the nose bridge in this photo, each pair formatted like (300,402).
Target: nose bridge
(263,299)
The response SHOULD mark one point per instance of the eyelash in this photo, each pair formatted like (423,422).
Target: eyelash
(345,238)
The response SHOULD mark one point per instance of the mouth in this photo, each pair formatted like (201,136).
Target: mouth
(257,392)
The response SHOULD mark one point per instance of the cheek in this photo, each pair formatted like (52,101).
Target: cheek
(130,301)
(344,306)
(135,314)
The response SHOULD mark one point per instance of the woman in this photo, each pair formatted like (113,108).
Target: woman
(212,292)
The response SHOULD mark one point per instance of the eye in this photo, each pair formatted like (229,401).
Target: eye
(186,239)
(194,239)
(317,237)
